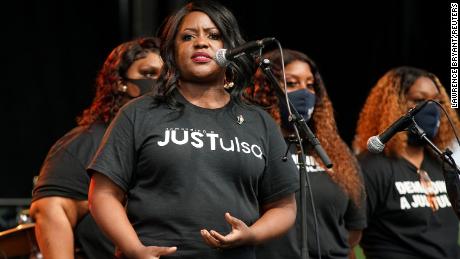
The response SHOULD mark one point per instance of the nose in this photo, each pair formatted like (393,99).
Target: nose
(201,42)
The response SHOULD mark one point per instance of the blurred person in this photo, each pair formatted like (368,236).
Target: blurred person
(60,202)
(338,193)
(408,210)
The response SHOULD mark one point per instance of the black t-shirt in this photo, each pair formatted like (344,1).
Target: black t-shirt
(401,224)
(336,215)
(453,189)
(183,171)
(63,174)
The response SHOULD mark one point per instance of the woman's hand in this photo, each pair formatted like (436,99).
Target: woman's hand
(241,234)
(152,252)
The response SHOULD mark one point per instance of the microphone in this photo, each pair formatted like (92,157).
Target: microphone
(224,56)
(376,144)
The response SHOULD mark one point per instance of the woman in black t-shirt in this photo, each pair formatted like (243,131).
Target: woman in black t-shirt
(408,210)
(60,197)
(338,193)
(202,171)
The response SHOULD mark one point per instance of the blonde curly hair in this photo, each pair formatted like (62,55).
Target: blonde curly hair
(387,102)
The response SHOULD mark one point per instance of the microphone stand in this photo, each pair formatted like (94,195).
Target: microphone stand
(444,156)
(452,181)
(299,124)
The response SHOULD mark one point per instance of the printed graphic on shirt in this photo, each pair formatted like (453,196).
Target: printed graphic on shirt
(310,163)
(414,194)
(209,140)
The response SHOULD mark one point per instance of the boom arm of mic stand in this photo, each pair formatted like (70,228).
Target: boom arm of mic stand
(296,118)
(451,179)
(445,156)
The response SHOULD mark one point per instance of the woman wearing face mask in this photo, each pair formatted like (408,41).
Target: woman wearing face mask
(337,193)
(60,202)
(409,214)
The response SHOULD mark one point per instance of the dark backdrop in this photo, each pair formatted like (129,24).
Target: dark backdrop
(53,50)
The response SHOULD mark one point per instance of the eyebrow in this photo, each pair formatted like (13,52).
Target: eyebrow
(205,29)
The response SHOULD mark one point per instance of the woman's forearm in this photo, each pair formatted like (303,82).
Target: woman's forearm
(55,217)
(106,206)
(277,218)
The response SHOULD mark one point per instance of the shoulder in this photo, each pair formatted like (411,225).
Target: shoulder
(372,164)
(77,135)
(140,103)
(86,136)
(370,159)
(144,106)
(78,144)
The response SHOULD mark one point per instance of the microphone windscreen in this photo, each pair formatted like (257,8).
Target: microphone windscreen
(374,145)
(221,60)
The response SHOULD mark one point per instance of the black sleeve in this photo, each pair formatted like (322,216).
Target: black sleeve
(374,181)
(115,157)
(280,177)
(62,174)
(355,216)
(452,180)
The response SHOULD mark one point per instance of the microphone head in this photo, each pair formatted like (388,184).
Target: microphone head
(374,145)
(220,58)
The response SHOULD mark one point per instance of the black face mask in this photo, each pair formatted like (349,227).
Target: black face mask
(145,85)
(428,120)
(304,103)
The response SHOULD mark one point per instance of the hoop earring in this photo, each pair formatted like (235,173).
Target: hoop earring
(123,88)
(228,85)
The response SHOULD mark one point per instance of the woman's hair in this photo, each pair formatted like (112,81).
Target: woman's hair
(108,98)
(387,102)
(225,21)
(346,169)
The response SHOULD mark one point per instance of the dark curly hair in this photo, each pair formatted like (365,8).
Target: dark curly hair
(240,72)
(390,93)
(346,168)
(108,99)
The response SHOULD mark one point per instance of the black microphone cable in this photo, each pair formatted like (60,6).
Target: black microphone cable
(307,177)
(448,119)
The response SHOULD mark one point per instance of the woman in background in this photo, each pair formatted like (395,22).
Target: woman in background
(408,210)
(338,193)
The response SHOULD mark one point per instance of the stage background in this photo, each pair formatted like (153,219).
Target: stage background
(52,51)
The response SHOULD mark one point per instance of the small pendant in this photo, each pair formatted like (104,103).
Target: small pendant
(239,119)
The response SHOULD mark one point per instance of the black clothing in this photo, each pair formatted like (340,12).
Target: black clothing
(401,223)
(183,171)
(64,174)
(336,214)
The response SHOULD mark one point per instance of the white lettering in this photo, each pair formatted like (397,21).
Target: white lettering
(166,141)
(198,143)
(237,144)
(400,188)
(404,203)
(409,186)
(179,142)
(198,139)
(245,148)
(231,148)
(212,137)
(259,155)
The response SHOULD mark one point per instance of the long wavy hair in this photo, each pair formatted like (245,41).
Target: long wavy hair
(108,99)
(240,72)
(387,102)
(346,168)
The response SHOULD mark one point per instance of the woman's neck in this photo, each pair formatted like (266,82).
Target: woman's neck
(206,96)
(414,155)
